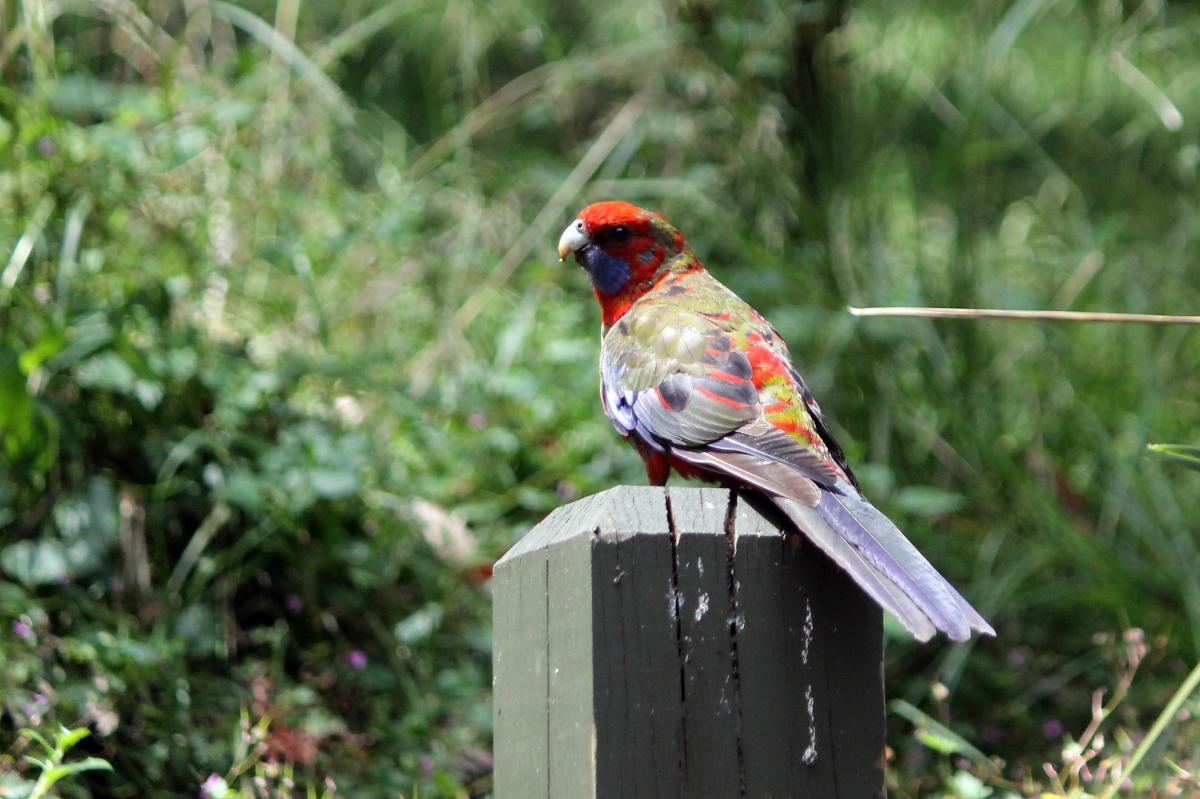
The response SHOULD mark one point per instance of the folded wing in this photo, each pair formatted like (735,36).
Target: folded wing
(690,394)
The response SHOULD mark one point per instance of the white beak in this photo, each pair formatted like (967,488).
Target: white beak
(572,239)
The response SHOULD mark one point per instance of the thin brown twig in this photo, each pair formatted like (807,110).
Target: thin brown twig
(508,97)
(1048,316)
(551,211)
(1091,743)
(592,160)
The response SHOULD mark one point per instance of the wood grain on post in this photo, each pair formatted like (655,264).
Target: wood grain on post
(674,643)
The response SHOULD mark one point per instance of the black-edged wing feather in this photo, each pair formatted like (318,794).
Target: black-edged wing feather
(705,410)
(676,382)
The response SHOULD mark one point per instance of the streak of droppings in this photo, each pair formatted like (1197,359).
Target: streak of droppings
(808,632)
(810,752)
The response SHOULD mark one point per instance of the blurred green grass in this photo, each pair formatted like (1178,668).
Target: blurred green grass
(286,356)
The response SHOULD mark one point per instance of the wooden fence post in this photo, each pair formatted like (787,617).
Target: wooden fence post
(673,643)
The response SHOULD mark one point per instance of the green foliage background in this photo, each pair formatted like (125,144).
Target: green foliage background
(286,356)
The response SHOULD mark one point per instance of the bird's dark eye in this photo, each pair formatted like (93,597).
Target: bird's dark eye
(619,233)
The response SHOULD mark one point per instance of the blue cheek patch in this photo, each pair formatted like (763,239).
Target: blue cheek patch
(609,273)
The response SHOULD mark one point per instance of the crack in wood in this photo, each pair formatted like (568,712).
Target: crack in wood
(731,581)
(679,644)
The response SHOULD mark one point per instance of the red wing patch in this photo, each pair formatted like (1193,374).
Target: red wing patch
(732,403)
(764,364)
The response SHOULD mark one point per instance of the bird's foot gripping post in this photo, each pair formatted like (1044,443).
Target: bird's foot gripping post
(675,643)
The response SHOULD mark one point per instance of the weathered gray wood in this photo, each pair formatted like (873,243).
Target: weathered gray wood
(638,676)
(521,698)
(710,695)
(770,643)
(806,622)
(853,659)
(654,643)
(569,660)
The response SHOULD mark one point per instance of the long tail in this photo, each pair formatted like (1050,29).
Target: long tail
(881,560)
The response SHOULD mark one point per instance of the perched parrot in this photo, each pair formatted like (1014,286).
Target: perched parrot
(699,382)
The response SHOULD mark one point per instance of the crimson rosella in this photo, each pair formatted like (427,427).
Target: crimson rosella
(699,382)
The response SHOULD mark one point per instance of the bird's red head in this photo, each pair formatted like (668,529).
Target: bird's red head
(625,250)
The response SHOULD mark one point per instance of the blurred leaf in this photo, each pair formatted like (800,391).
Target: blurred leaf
(106,371)
(243,488)
(89,333)
(1179,453)
(446,532)
(926,501)
(10,783)
(67,738)
(966,785)
(39,739)
(50,345)
(419,625)
(16,406)
(333,484)
(198,628)
(83,94)
(43,562)
(90,515)
(938,736)
(54,775)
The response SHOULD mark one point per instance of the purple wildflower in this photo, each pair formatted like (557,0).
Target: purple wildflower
(214,787)
(1052,729)
(357,659)
(22,629)
(36,708)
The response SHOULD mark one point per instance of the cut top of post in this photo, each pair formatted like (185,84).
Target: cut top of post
(655,642)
